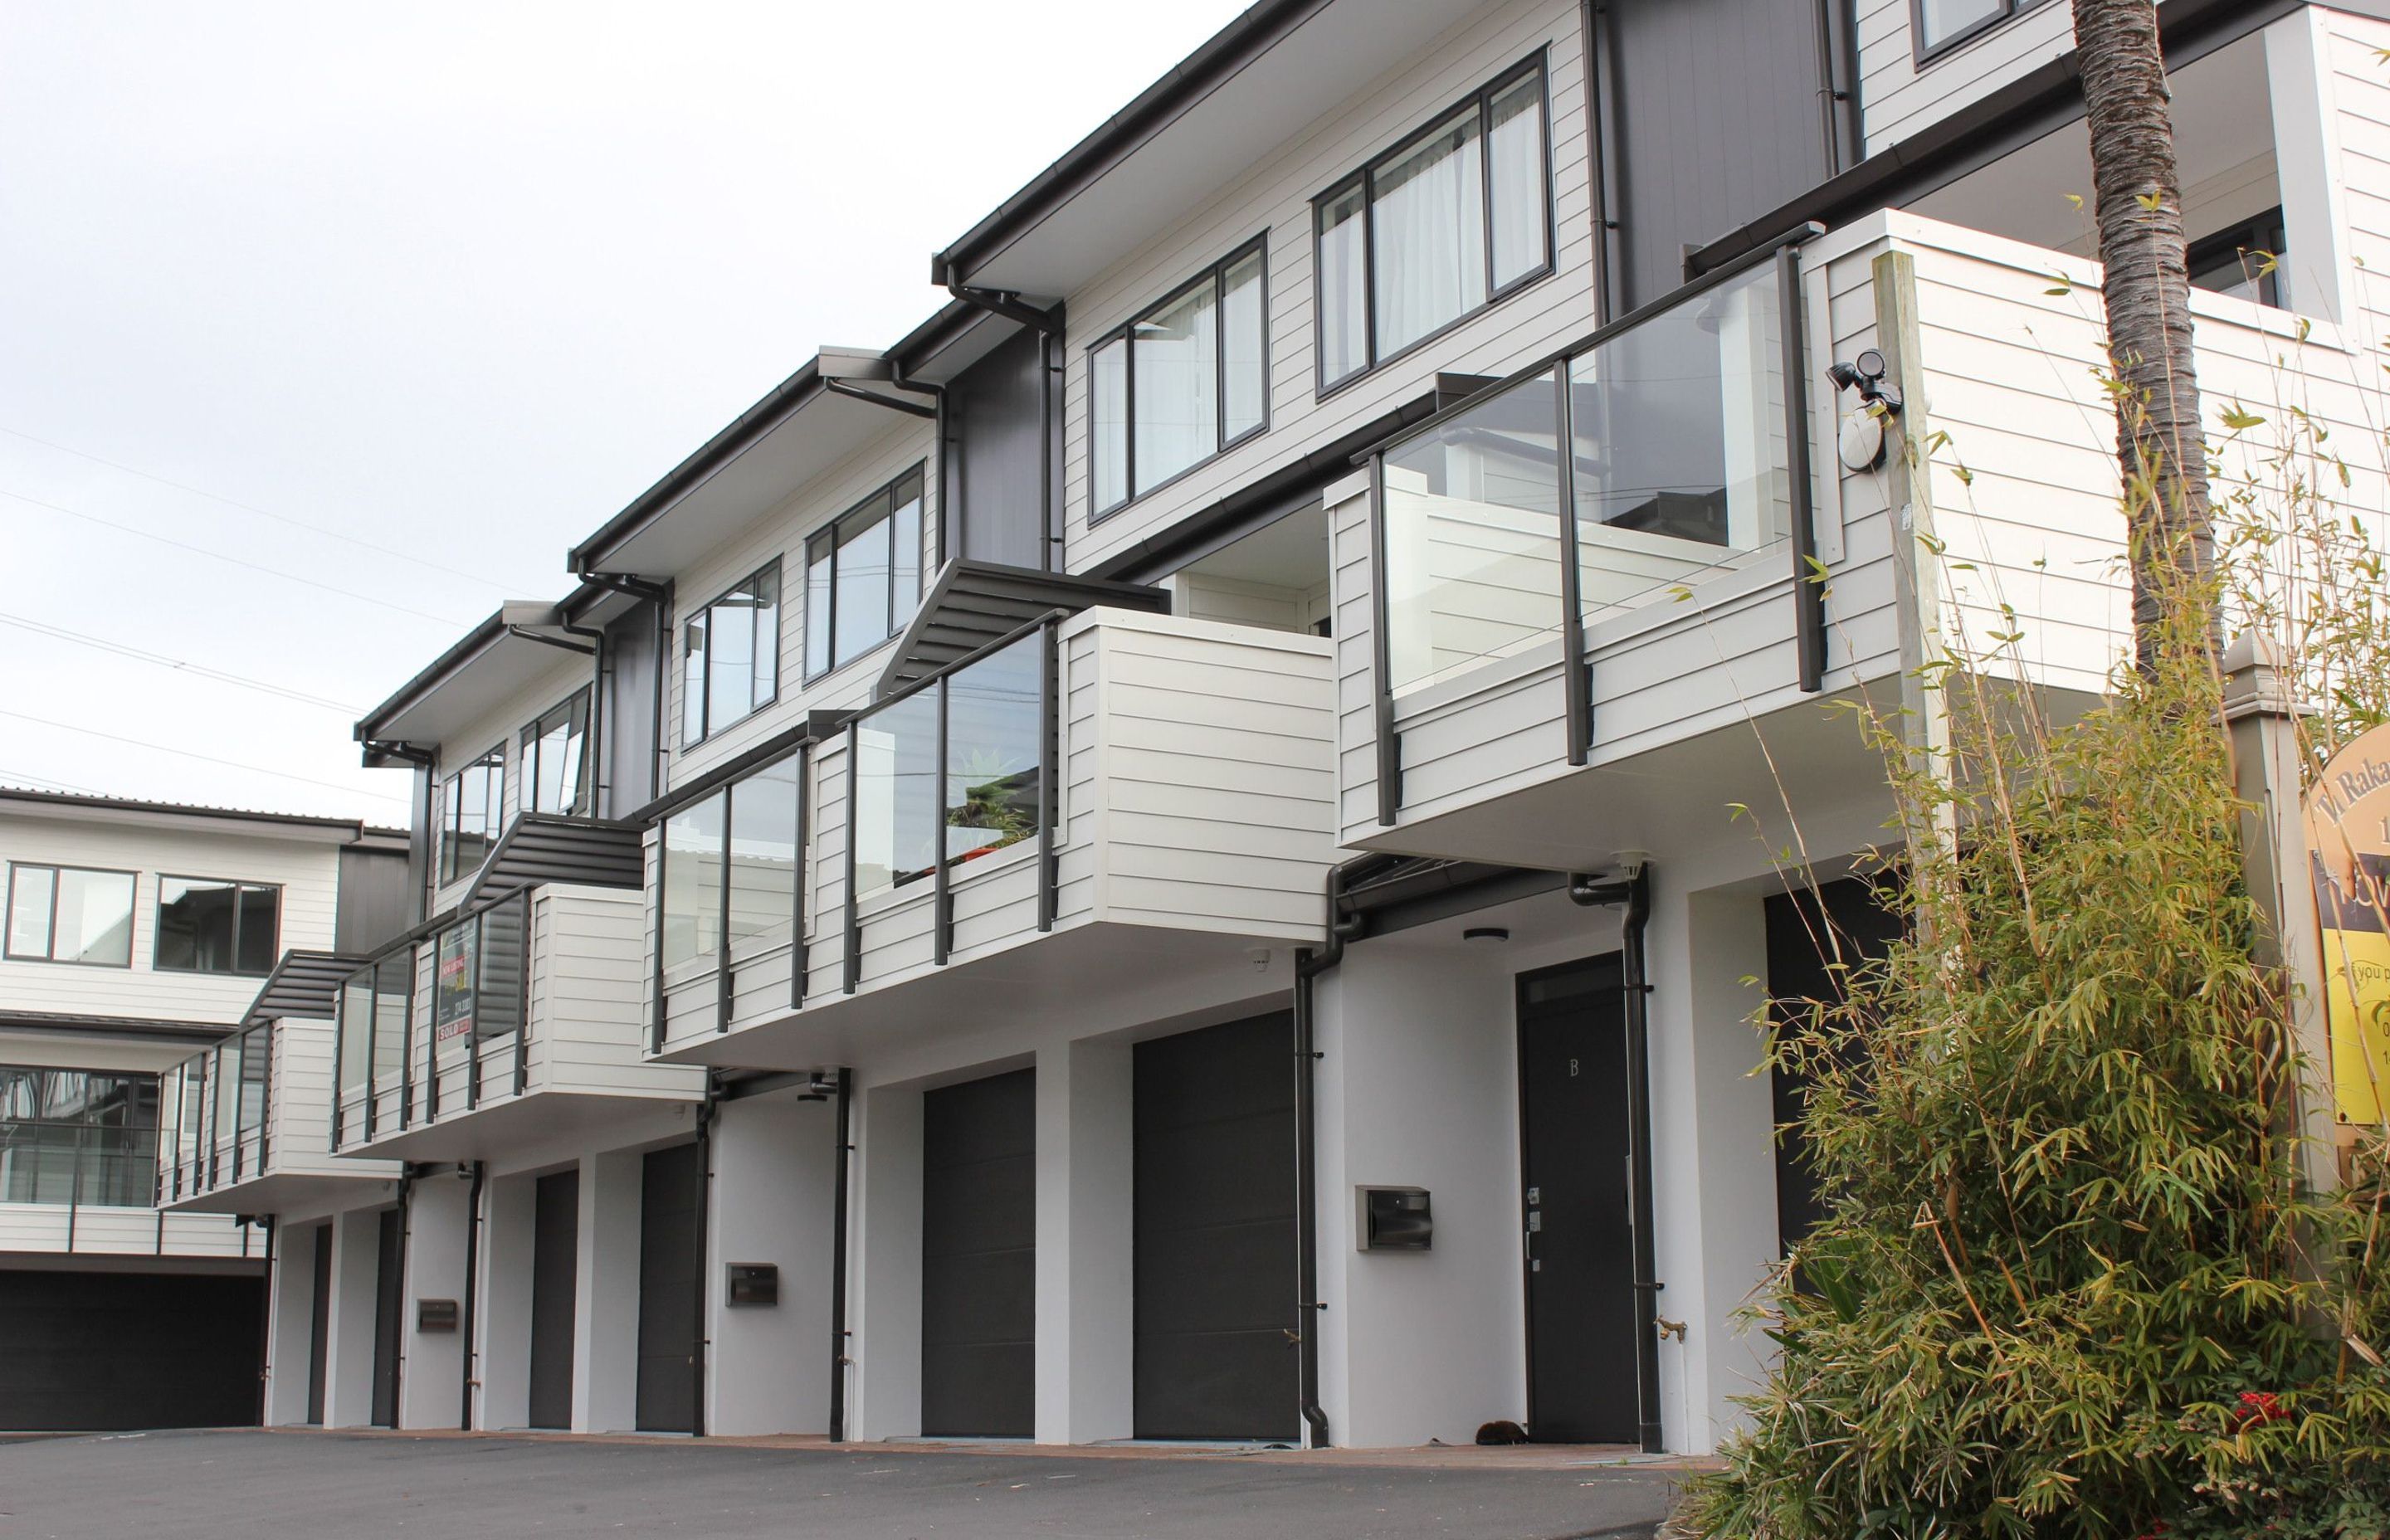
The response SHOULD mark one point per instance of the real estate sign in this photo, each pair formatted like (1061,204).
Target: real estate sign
(2348,834)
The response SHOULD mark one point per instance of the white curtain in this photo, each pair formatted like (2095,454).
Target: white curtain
(1428,219)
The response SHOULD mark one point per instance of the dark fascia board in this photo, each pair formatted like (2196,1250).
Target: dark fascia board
(2042,100)
(593,554)
(359,832)
(150,1027)
(1262,27)
(467,651)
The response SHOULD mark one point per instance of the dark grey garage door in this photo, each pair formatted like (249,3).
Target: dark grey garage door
(555,1282)
(979,1257)
(102,1351)
(667,1394)
(1215,1274)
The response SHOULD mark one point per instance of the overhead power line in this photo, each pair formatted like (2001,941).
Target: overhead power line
(178,665)
(237,561)
(191,753)
(252,507)
(46,783)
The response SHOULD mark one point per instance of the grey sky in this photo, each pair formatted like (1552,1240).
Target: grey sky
(456,280)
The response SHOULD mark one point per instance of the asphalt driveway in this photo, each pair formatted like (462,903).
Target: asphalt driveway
(251,1485)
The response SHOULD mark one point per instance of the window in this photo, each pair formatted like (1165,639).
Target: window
(469,802)
(77,1136)
(1449,221)
(69,915)
(1941,25)
(2246,260)
(207,926)
(863,576)
(1180,383)
(556,759)
(730,657)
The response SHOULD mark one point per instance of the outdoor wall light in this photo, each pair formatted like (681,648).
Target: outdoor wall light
(818,1086)
(1486,935)
(1861,446)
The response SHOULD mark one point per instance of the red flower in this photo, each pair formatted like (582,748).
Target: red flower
(2259,1407)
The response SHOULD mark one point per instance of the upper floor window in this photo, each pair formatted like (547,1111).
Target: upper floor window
(1941,25)
(2246,260)
(1179,383)
(863,576)
(206,926)
(730,657)
(70,915)
(1448,221)
(556,759)
(469,814)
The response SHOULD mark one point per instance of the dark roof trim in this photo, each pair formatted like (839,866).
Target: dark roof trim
(116,1026)
(302,983)
(467,651)
(188,810)
(593,554)
(1261,28)
(2036,103)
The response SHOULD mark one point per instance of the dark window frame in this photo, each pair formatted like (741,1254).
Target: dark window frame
(527,797)
(154,1128)
(493,757)
(2238,241)
(704,613)
(240,886)
(1217,275)
(9,913)
(1921,56)
(1364,177)
(880,502)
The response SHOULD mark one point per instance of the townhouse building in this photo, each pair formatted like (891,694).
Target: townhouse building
(1191,851)
(136,935)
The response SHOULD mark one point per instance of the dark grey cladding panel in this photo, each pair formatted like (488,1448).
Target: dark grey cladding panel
(975,603)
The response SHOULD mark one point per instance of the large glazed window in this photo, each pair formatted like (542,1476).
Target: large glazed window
(206,926)
(469,803)
(1942,25)
(70,915)
(1444,225)
(78,1136)
(1180,383)
(556,758)
(730,657)
(863,576)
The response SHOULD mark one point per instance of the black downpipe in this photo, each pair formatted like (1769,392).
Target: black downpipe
(1635,892)
(837,1359)
(697,1344)
(472,1381)
(1308,966)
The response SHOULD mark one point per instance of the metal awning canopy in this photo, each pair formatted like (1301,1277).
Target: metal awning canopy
(975,603)
(302,983)
(549,847)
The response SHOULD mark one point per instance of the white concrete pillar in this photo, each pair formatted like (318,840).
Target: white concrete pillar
(349,1343)
(1086,1255)
(431,1390)
(605,1317)
(884,1286)
(291,1316)
(503,1322)
(774,1169)
(2318,269)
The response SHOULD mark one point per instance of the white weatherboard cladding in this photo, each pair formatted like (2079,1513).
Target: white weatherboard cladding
(781,535)
(1896,98)
(499,728)
(307,872)
(1276,195)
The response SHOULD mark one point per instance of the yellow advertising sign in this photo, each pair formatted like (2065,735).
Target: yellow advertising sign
(2349,833)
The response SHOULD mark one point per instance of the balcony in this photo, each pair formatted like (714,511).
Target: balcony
(1112,808)
(1696,670)
(513,1019)
(79,1170)
(245,1126)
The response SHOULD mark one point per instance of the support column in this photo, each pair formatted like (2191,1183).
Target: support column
(430,1391)
(290,1309)
(504,1319)
(349,1337)
(884,1290)
(605,1315)
(773,1171)
(1087,1252)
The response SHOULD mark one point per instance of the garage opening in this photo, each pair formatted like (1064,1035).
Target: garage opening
(1215,1153)
(92,1351)
(390,1303)
(667,1394)
(319,1319)
(979,1258)
(555,1287)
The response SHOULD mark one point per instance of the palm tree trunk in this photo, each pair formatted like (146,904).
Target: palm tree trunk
(2147,293)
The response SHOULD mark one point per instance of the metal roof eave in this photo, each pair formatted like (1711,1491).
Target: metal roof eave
(975,603)
(302,983)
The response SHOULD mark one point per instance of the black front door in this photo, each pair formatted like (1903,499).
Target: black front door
(555,1281)
(389,1311)
(979,1258)
(319,1322)
(667,1392)
(1214,1168)
(1573,1104)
